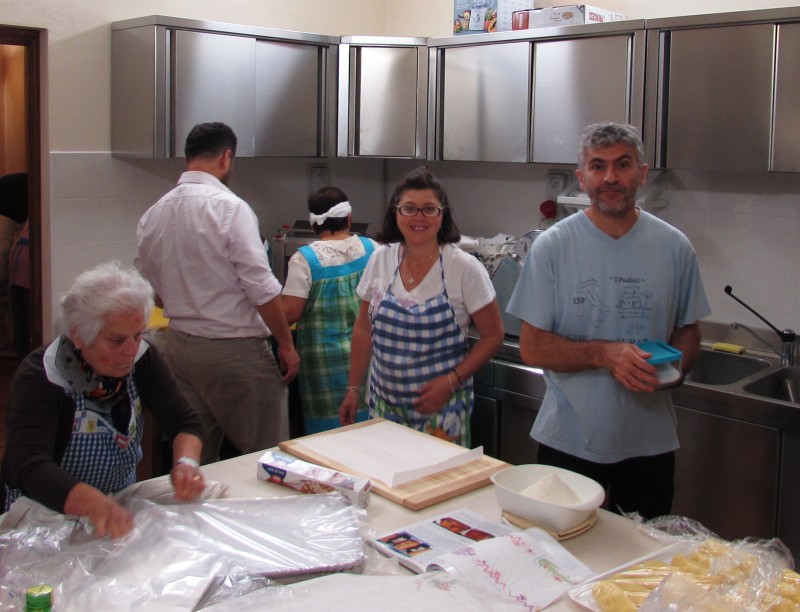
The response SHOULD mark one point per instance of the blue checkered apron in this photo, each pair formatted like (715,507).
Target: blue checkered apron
(97,453)
(410,346)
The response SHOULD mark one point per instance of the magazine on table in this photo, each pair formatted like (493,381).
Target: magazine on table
(418,546)
(529,566)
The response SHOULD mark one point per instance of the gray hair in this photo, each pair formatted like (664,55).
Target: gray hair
(604,135)
(105,289)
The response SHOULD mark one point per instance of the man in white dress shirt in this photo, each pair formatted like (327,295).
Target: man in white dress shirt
(199,246)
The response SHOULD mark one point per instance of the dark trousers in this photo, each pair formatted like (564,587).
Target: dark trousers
(644,485)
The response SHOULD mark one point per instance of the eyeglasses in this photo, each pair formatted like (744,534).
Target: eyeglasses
(409,210)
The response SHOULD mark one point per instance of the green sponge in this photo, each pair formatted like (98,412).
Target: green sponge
(728,347)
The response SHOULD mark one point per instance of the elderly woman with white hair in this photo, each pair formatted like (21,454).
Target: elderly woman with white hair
(76,407)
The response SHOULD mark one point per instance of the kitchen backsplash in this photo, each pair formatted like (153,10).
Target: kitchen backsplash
(745,227)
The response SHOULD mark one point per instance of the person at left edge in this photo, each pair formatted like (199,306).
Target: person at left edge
(76,407)
(200,247)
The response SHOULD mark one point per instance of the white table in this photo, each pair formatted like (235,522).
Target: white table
(612,541)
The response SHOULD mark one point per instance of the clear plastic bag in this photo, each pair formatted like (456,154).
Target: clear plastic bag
(180,556)
(697,571)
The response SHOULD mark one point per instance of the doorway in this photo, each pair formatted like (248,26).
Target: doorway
(23,52)
(21,129)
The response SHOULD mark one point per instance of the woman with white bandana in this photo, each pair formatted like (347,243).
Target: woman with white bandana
(320,296)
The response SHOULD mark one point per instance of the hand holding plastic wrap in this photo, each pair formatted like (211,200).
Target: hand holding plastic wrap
(177,555)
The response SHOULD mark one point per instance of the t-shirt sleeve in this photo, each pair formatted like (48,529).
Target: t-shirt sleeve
(533,299)
(298,277)
(378,266)
(476,286)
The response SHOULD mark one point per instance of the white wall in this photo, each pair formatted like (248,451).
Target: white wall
(744,227)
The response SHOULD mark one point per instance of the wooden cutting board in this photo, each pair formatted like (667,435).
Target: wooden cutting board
(416,494)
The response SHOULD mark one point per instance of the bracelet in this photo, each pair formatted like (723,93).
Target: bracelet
(188,461)
(450,380)
(461,380)
(353,388)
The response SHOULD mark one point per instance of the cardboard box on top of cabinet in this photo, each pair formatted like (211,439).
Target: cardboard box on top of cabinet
(562,15)
(482,16)
(474,16)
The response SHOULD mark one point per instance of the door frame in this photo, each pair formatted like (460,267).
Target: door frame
(35,42)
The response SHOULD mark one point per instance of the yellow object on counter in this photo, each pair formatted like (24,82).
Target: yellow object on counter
(728,347)
(157,319)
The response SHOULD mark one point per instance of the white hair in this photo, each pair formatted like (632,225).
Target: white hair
(105,289)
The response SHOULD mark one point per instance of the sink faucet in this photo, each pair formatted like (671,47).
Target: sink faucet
(783,354)
(788,353)
(788,338)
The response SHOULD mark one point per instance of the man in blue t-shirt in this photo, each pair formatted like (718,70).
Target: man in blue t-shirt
(594,285)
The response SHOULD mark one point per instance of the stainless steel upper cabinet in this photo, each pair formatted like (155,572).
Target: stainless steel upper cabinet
(716,105)
(582,81)
(484,102)
(383,96)
(786,134)
(214,79)
(276,89)
(289,107)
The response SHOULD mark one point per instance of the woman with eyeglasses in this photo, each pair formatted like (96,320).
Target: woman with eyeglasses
(419,294)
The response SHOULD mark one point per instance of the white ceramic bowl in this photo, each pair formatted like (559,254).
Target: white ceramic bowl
(509,483)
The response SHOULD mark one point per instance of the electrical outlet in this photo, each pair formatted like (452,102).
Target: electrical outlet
(318,177)
(556,183)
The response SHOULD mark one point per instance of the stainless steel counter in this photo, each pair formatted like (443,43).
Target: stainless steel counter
(738,468)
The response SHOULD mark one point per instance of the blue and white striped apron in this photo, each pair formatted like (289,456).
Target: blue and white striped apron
(410,346)
(97,453)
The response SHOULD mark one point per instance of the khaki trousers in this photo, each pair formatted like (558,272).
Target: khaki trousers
(235,384)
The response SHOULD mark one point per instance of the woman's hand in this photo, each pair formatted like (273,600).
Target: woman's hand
(435,393)
(110,519)
(349,406)
(106,516)
(187,480)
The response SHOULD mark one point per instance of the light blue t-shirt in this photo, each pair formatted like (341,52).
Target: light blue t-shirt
(583,284)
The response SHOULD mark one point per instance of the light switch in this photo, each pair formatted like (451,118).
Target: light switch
(556,183)
(318,177)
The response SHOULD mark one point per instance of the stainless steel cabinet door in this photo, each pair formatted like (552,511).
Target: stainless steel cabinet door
(214,80)
(386,102)
(287,108)
(577,82)
(485,104)
(719,98)
(726,474)
(786,131)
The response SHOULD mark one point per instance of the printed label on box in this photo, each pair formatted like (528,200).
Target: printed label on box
(474,16)
(311,478)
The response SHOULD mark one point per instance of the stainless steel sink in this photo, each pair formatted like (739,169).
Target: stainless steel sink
(718,368)
(782,384)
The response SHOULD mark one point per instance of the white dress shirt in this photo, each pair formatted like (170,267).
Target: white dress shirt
(200,247)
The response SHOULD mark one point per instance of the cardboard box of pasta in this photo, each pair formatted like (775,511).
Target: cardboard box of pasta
(311,478)
(563,15)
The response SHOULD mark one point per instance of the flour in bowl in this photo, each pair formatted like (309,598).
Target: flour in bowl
(551,489)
